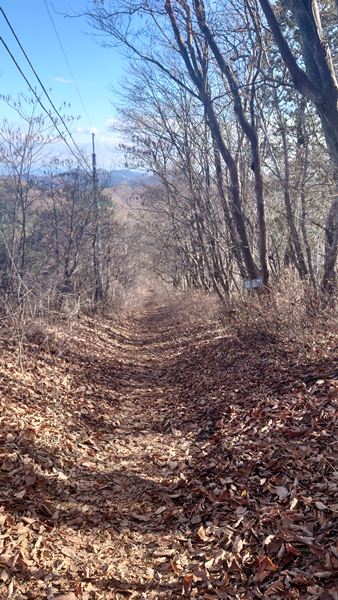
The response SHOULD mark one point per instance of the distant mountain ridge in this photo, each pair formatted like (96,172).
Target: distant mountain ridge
(107,179)
(115,177)
(124,176)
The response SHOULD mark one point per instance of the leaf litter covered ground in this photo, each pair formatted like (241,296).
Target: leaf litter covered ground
(161,459)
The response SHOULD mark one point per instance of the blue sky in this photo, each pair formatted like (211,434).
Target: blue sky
(96,69)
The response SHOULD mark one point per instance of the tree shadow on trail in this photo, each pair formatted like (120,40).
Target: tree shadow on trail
(60,491)
(185,382)
(215,374)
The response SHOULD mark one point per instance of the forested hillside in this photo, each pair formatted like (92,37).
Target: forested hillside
(168,328)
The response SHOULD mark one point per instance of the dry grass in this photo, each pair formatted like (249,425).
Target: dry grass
(195,306)
(289,314)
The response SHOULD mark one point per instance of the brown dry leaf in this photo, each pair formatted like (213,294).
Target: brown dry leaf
(172,465)
(30,479)
(293,550)
(187,584)
(4,575)
(68,552)
(282,492)
(10,589)
(324,574)
(175,567)
(225,581)
(293,503)
(202,534)
(7,465)
(144,518)
(6,560)
(238,544)
(21,494)
(266,568)
(269,539)
(160,510)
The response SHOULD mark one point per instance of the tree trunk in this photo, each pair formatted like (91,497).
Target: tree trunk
(294,236)
(198,77)
(236,207)
(328,283)
(318,84)
(248,129)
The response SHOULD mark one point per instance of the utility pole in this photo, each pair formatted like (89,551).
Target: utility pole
(98,294)
(94,163)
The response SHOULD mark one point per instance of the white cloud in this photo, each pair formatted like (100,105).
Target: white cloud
(109,139)
(62,80)
(113,122)
(87,130)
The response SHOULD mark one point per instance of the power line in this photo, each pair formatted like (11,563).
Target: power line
(37,98)
(45,91)
(68,64)
(42,85)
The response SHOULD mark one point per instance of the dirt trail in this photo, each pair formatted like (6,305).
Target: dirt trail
(142,461)
(90,459)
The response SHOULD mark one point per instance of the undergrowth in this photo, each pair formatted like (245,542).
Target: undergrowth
(289,314)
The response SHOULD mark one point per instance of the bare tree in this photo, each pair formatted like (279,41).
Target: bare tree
(319,84)
(249,128)
(194,56)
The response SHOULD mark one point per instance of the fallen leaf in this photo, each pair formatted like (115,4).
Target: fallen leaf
(293,503)
(21,494)
(174,567)
(172,465)
(282,492)
(160,510)
(187,584)
(238,544)
(293,550)
(266,568)
(202,534)
(68,552)
(324,574)
(144,518)
(4,575)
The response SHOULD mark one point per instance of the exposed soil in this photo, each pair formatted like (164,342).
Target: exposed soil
(154,460)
